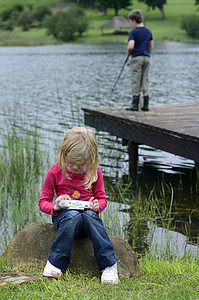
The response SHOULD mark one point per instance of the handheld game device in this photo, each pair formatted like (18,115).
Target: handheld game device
(75,204)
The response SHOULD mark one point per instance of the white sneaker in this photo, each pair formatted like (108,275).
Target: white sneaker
(109,275)
(51,271)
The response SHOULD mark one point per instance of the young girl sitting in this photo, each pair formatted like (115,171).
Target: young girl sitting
(77,176)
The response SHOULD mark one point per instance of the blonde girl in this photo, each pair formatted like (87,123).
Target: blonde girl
(77,176)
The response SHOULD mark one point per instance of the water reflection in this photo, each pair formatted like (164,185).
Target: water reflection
(162,241)
(49,85)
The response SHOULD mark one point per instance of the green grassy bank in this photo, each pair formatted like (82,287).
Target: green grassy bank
(168,29)
(160,279)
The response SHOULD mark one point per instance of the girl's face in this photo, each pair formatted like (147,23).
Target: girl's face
(77,168)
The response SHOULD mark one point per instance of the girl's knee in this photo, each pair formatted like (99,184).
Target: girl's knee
(91,213)
(92,218)
(72,221)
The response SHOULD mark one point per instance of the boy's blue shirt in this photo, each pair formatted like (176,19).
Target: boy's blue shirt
(142,37)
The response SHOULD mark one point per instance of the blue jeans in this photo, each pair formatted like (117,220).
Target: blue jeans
(72,223)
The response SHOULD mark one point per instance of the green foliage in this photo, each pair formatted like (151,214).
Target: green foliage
(191,25)
(40,12)
(82,24)
(25,19)
(21,161)
(65,25)
(105,4)
(11,13)
(118,4)
(5,265)
(156,3)
(17,15)
(87,3)
(6,26)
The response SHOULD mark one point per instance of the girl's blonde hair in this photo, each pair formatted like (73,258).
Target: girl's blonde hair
(80,145)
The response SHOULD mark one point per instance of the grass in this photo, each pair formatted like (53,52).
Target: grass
(32,38)
(23,165)
(160,279)
(168,29)
(22,168)
(9,3)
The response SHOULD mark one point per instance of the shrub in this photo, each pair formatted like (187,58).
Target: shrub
(40,12)
(7,26)
(191,25)
(11,13)
(25,19)
(81,22)
(65,25)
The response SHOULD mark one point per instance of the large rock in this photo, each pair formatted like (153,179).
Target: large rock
(33,243)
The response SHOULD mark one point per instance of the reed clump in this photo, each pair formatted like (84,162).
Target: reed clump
(22,165)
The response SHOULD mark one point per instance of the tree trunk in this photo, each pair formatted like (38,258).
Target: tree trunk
(162,12)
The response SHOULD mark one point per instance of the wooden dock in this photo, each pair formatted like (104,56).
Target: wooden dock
(173,128)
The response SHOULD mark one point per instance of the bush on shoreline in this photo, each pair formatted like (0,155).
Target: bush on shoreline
(191,25)
(66,25)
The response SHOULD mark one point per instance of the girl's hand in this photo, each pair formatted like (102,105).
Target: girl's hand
(95,206)
(56,207)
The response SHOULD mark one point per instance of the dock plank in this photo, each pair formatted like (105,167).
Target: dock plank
(169,127)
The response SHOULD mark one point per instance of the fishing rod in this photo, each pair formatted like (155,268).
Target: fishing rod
(119,75)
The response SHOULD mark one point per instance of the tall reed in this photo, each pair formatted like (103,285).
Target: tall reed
(23,162)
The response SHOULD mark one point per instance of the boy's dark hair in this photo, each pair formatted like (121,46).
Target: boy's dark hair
(136,15)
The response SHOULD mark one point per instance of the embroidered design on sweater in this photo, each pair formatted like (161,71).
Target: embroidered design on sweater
(76,195)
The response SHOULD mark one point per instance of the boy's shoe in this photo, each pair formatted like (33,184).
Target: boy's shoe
(109,275)
(51,271)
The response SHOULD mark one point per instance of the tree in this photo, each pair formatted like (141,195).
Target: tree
(25,19)
(86,3)
(105,4)
(118,4)
(197,3)
(11,14)
(81,23)
(40,12)
(156,3)
(65,25)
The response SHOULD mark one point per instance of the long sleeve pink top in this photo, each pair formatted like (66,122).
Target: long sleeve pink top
(57,184)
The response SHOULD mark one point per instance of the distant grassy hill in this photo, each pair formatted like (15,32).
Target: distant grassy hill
(168,29)
(9,3)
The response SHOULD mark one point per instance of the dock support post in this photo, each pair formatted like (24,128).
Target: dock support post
(133,158)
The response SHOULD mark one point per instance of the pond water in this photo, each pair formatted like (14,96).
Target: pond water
(49,85)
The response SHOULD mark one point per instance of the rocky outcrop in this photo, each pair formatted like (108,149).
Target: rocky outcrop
(33,243)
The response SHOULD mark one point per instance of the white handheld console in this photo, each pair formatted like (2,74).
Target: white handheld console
(75,204)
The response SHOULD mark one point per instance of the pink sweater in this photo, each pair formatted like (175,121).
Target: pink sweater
(57,184)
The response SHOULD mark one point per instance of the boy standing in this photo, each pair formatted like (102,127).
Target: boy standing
(139,47)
